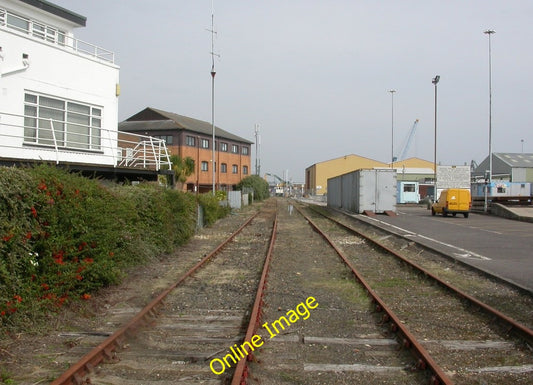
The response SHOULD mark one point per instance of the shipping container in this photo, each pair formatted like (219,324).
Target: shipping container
(372,190)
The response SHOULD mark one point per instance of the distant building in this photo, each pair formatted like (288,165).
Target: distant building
(188,137)
(59,95)
(317,175)
(415,177)
(513,167)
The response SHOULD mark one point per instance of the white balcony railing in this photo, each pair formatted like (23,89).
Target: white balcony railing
(36,138)
(48,34)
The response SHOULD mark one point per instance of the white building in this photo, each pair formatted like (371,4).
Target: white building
(59,95)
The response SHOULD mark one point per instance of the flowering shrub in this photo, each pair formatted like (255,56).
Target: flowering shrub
(63,236)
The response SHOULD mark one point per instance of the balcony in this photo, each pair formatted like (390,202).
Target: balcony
(50,35)
(24,137)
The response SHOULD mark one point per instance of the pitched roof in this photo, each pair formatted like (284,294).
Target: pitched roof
(352,157)
(151,119)
(515,159)
(413,163)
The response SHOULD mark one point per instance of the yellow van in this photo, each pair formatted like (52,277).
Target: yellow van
(453,201)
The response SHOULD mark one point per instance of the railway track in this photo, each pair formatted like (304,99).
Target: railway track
(195,319)
(314,323)
(470,340)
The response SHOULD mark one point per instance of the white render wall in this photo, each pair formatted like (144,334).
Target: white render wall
(55,71)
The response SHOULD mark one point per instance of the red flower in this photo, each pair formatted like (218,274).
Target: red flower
(42,186)
(85,296)
(88,260)
(33,212)
(79,277)
(45,286)
(111,254)
(18,298)
(2,313)
(6,238)
(28,235)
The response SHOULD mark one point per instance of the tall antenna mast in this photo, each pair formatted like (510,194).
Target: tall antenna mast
(257,150)
(213,73)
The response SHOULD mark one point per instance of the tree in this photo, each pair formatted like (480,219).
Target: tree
(259,185)
(183,168)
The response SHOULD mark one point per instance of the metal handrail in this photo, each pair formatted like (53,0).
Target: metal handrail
(47,33)
(124,149)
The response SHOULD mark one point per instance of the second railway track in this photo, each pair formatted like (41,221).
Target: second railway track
(470,345)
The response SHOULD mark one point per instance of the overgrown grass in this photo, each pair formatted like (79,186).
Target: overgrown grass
(63,236)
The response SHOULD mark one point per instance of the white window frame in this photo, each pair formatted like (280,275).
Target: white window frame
(204,143)
(62,131)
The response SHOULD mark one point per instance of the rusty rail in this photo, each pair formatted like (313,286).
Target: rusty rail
(241,371)
(522,329)
(425,360)
(76,374)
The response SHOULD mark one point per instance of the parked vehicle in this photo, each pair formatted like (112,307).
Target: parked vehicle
(453,201)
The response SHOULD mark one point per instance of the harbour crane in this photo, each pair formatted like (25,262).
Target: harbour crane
(408,141)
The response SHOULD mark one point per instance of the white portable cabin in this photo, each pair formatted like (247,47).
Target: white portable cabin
(408,192)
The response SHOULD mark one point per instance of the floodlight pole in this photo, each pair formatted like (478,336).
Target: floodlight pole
(489,32)
(392,127)
(435,81)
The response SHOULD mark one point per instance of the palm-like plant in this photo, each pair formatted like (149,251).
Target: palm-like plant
(183,168)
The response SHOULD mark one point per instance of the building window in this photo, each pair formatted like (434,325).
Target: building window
(234,149)
(17,22)
(224,168)
(167,138)
(36,29)
(205,143)
(235,169)
(245,170)
(245,150)
(56,122)
(224,147)
(205,166)
(409,187)
(190,141)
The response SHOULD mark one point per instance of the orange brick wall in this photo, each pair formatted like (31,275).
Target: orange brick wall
(206,177)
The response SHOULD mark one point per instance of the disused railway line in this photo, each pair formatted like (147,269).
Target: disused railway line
(193,319)
(333,332)
(473,342)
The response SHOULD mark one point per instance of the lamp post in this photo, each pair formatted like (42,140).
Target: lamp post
(392,127)
(435,81)
(489,32)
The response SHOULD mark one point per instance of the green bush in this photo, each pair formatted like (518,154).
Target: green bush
(259,185)
(63,236)
(213,210)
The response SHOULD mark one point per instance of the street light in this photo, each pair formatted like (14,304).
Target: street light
(435,81)
(489,32)
(392,127)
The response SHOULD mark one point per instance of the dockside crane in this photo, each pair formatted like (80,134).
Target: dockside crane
(408,141)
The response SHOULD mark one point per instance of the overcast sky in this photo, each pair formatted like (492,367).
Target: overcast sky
(315,74)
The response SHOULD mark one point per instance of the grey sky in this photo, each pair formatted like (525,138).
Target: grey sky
(315,74)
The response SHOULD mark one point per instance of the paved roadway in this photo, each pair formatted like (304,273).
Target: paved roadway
(500,246)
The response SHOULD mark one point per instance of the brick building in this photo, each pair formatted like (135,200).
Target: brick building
(188,137)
